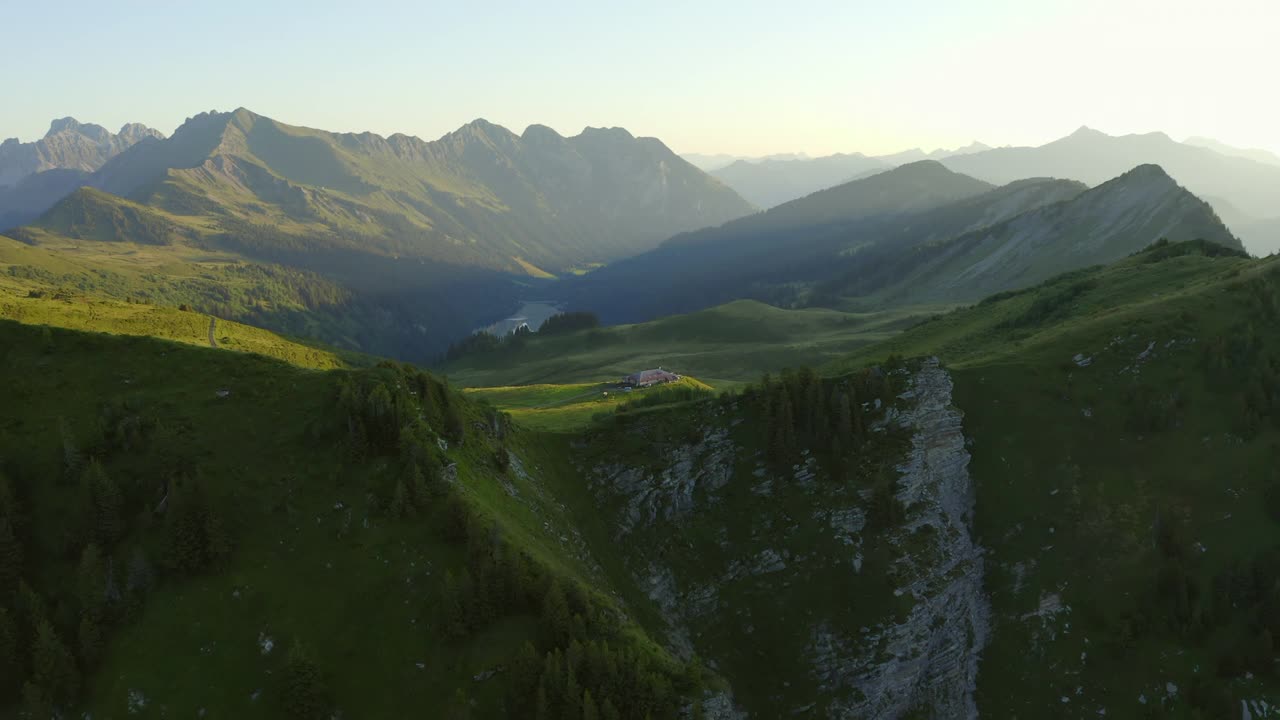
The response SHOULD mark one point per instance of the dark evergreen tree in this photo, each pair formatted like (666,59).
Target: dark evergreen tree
(106,504)
(91,582)
(453,609)
(11,558)
(572,695)
(399,506)
(53,669)
(556,618)
(459,706)
(91,640)
(541,705)
(10,658)
(589,709)
(35,702)
(306,695)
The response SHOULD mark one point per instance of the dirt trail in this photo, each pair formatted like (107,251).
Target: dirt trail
(213,323)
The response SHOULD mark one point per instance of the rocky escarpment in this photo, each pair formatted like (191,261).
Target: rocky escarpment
(792,569)
(930,660)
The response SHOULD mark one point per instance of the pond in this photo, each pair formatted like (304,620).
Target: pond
(532,313)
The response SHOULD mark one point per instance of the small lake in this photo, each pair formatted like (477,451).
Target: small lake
(532,313)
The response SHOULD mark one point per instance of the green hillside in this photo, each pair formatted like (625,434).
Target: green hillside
(723,346)
(1123,425)
(297,538)
(1115,431)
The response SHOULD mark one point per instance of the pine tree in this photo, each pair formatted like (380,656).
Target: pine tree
(11,557)
(141,576)
(72,460)
(90,637)
(589,709)
(572,696)
(419,490)
(106,504)
(217,542)
(399,505)
(555,614)
(541,706)
(9,502)
(53,669)
(460,706)
(10,656)
(608,711)
(453,611)
(306,696)
(91,582)
(856,407)
(787,427)
(844,415)
(35,702)
(525,670)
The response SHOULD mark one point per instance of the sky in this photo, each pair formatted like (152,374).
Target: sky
(708,76)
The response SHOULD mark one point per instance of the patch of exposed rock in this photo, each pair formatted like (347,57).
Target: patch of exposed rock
(930,660)
(649,495)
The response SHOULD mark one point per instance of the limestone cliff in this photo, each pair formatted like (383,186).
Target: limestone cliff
(754,566)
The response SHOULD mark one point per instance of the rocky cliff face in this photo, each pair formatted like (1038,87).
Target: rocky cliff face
(69,145)
(929,660)
(752,566)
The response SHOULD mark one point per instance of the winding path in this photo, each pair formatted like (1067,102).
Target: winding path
(213,323)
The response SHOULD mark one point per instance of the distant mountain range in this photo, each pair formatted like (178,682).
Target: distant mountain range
(444,230)
(1262,156)
(776,179)
(69,145)
(918,233)
(1093,157)
(535,204)
(1247,180)
(715,161)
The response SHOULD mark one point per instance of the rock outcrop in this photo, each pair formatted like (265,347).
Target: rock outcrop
(930,660)
(725,546)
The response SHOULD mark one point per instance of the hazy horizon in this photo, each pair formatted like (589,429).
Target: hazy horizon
(718,78)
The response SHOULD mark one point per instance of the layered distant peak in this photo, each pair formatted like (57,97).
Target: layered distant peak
(1147,172)
(973,147)
(137,132)
(69,145)
(1085,132)
(540,133)
(616,133)
(62,125)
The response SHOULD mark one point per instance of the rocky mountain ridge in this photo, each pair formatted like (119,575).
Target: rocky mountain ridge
(68,145)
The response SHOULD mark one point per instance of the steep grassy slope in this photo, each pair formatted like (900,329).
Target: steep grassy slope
(304,542)
(1123,424)
(282,300)
(1100,226)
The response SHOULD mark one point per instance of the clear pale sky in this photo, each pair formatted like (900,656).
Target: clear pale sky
(736,76)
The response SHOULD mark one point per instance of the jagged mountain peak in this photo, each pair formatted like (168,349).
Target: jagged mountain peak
(1149,176)
(1084,132)
(66,123)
